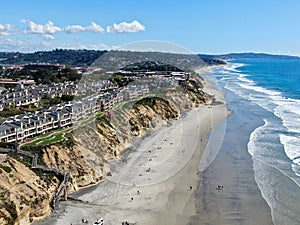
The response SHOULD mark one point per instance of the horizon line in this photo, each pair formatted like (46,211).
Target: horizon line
(193,53)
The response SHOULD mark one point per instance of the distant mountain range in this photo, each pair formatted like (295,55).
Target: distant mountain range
(249,55)
(93,57)
(106,59)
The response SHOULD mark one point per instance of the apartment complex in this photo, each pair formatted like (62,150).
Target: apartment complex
(21,127)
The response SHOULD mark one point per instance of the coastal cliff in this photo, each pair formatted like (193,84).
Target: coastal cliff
(26,194)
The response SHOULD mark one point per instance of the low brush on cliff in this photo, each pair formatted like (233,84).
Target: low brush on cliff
(149,101)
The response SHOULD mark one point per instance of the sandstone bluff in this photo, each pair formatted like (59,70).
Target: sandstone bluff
(26,194)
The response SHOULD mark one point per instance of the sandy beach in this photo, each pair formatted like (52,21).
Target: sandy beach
(170,177)
(156,180)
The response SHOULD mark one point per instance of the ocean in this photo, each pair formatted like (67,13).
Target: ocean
(271,88)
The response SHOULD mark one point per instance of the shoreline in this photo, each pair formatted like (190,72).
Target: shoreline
(241,200)
(160,196)
(162,182)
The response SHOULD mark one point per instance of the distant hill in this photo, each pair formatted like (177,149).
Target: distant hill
(151,66)
(61,56)
(111,59)
(120,59)
(248,56)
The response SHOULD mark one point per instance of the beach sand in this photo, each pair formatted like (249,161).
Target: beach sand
(158,180)
(155,182)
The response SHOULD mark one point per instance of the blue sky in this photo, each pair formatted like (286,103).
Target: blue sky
(202,26)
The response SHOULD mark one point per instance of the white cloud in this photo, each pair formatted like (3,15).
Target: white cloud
(23,20)
(6,29)
(49,37)
(95,28)
(10,42)
(48,28)
(13,44)
(124,27)
(22,45)
(94,46)
(100,46)
(72,29)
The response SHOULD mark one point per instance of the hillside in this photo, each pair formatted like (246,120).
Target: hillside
(112,59)
(117,59)
(60,56)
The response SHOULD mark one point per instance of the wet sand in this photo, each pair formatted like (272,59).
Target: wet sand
(240,200)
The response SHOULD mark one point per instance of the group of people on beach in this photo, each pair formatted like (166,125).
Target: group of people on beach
(138,192)
(220,187)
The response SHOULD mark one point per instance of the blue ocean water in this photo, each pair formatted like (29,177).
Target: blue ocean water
(274,86)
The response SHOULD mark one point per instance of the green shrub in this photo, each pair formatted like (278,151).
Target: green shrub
(5,168)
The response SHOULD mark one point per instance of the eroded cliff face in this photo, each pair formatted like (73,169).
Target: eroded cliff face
(151,113)
(96,143)
(86,153)
(23,193)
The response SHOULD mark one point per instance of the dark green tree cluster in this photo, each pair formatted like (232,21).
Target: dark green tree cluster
(10,111)
(120,79)
(151,66)
(47,102)
(69,57)
(43,76)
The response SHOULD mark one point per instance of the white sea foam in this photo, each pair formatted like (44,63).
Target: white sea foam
(252,144)
(228,72)
(243,78)
(290,120)
(274,146)
(292,105)
(287,109)
(235,88)
(233,67)
(291,147)
(296,166)
(261,100)
(260,89)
